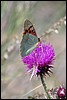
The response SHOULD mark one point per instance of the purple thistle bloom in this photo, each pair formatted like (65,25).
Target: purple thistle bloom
(40,60)
(61,92)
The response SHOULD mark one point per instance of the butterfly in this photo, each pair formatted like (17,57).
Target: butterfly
(29,40)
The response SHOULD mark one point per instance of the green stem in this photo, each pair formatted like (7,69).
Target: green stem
(45,88)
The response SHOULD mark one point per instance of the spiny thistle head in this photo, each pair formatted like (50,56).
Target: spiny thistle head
(40,60)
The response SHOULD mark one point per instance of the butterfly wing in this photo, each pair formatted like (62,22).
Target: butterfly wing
(28,42)
(29,28)
(29,39)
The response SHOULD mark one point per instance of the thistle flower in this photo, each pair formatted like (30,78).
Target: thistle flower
(40,60)
(61,92)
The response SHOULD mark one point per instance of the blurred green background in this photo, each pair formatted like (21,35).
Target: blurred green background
(15,82)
